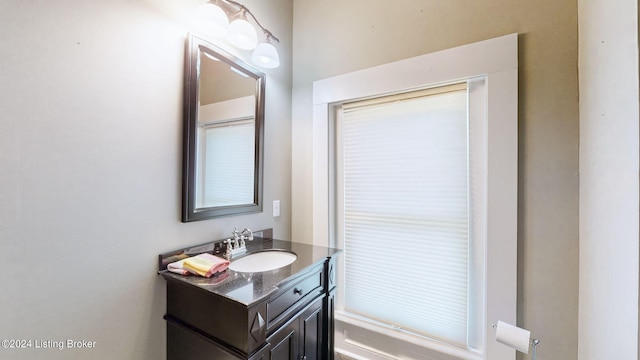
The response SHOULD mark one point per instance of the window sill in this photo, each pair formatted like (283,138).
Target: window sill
(363,339)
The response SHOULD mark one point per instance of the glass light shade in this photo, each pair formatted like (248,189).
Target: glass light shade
(242,35)
(266,56)
(213,20)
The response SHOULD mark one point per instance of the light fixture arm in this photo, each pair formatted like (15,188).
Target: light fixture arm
(244,9)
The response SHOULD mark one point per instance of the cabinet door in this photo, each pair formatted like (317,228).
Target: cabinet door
(311,334)
(284,342)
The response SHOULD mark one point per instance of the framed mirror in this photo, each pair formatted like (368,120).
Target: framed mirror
(223,134)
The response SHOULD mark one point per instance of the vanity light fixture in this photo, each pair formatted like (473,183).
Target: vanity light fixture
(266,55)
(214,20)
(241,34)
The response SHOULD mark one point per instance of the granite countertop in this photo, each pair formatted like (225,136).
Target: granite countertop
(249,288)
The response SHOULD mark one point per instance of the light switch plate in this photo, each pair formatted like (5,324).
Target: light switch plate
(276,208)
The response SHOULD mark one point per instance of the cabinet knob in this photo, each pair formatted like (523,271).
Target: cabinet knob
(303,357)
(297,291)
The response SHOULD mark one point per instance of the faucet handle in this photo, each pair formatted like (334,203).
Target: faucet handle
(236,233)
(246,232)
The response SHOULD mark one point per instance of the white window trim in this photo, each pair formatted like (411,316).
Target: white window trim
(496,60)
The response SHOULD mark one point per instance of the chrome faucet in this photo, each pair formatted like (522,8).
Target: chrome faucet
(236,245)
(240,236)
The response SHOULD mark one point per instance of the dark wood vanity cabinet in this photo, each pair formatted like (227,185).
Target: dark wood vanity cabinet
(293,322)
(301,338)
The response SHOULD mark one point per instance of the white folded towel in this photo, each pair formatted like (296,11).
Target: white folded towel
(178,267)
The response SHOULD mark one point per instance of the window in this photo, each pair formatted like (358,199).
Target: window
(226,154)
(387,235)
(228,163)
(403,204)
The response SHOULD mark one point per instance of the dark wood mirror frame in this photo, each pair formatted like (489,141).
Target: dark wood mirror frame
(190,212)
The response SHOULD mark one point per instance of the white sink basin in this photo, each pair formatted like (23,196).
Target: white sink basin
(263,261)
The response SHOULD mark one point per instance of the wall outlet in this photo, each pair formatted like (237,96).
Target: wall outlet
(276,208)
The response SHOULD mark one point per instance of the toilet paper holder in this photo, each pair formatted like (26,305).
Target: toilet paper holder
(533,342)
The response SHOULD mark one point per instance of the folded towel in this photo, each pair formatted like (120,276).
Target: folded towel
(178,267)
(205,264)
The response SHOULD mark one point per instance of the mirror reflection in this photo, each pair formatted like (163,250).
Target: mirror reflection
(223,134)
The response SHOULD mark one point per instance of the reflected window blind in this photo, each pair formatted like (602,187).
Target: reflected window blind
(406,211)
(229,159)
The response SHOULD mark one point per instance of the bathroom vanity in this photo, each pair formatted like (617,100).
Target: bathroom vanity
(280,314)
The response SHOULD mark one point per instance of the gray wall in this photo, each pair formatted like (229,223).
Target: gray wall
(90,168)
(333,37)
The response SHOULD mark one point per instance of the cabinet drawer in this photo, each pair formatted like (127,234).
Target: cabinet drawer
(296,295)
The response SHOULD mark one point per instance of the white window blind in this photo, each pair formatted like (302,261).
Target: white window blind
(230,163)
(405,211)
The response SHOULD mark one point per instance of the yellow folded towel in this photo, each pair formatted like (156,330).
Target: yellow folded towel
(205,264)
